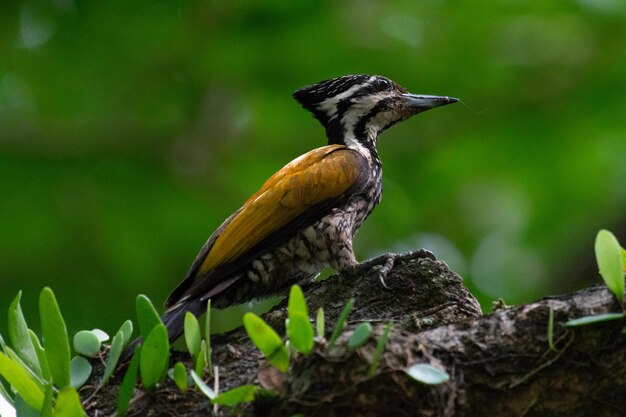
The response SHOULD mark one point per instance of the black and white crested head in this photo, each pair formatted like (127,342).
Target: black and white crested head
(355,109)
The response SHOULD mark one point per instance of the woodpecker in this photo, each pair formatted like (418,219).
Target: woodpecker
(304,217)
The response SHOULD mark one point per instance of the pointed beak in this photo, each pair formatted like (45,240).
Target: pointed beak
(422,102)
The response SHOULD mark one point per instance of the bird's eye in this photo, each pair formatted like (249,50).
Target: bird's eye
(383,84)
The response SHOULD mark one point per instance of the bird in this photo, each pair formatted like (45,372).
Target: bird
(304,217)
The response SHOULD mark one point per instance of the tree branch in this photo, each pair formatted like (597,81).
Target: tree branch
(500,364)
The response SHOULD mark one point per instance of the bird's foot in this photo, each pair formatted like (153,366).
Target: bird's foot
(387,261)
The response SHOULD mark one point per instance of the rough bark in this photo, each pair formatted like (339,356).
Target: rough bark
(499,364)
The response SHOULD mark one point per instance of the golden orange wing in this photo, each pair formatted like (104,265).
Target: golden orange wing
(322,174)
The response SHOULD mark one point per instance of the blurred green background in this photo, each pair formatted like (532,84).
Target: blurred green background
(130,129)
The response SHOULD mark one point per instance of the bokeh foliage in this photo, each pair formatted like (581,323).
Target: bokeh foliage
(130,129)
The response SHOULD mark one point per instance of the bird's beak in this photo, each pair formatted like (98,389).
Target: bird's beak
(421,103)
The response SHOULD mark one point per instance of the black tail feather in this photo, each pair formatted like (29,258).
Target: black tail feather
(174,321)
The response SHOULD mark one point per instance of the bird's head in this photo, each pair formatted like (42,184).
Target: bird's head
(354,109)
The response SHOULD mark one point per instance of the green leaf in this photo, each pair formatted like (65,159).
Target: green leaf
(200,360)
(102,335)
(68,404)
(114,356)
(41,356)
(319,323)
(154,357)
(55,338)
(300,333)
(610,263)
(128,384)
(5,394)
(427,374)
(598,318)
(297,304)
(235,396)
(87,343)
(46,410)
(22,409)
(341,322)
(146,315)
(80,370)
(127,331)
(267,341)
(19,337)
(180,376)
(360,335)
(204,388)
(207,335)
(16,375)
(15,358)
(299,328)
(551,331)
(192,334)
(380,348)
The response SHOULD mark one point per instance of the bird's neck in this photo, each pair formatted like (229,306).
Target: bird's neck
(361,140)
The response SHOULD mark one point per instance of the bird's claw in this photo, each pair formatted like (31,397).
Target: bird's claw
(386,268)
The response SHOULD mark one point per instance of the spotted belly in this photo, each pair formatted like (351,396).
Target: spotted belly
(325,243)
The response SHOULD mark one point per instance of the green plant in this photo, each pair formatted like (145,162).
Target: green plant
(40,372)
(267,341)
(611,259)
(427,374)
(341,322)
(299,329)
(380,348)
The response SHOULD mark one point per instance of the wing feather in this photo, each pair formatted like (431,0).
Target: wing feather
(300,193)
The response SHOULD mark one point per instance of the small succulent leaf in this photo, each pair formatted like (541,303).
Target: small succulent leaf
(87,343)
(297,304)
(128,383)
(48,401)
(380,348)
(146,315)
(180,376)
(154,357)
(202,386)
(200,361)
(80,370)
(68,404)
(15,358)
(319,323)
(16,375)
(102,335)
(610,263)
(598,318)
(19,336)
(22,409)
(127,330)
(114,356)
(300,333)
(267,341)
(427,374)
(341,322)
(41,356)
(55,338)
(235,396)
(192,334)
(360,335)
